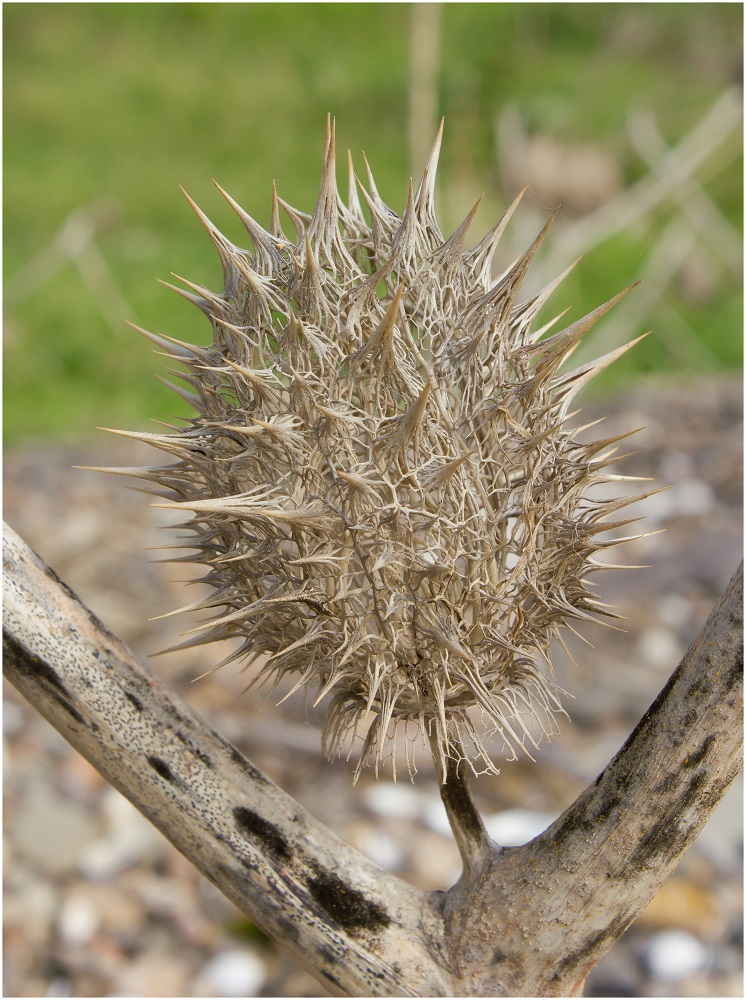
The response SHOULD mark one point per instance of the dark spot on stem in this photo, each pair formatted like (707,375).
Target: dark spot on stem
(36,669)
(346,906)
(335,982)
(589,951)
(258,828)
(457,799)
(97,624)
(735,674)
(698,756)
(135,701)
(162,768)
(73,712)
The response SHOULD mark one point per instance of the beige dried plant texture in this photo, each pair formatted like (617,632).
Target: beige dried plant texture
(381,479)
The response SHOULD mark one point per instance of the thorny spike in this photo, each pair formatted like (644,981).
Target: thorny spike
(299,220)
(170,346)
(567,386)
(275,225)
(216,305)
(452,249)
(425,199)
(265,247)
(382,478)
(196,300)
(226,251)
(353,201)
(381,343)
(556,349)
(479,260)
(526,312)
(192,398)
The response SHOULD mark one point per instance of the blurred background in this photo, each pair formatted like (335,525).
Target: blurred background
(628,116)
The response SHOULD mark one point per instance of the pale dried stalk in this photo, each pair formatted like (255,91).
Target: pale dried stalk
(359,930)
(525,921)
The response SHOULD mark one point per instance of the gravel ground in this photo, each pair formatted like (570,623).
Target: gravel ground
(97,903)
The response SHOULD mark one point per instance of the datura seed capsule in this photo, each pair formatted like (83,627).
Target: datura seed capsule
(381,479)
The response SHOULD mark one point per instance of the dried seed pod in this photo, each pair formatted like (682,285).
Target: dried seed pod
(382,481)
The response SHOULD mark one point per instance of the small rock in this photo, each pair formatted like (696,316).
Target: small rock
(658,647)
(381,848)
(675,611)
(51,832)
(672,956)
(154,973)
(59,987)
(434,816)
(28,907)
(694,497)
(387,799)
(234,973)
(78,920)
(131,839)
(12,718)
(515,827)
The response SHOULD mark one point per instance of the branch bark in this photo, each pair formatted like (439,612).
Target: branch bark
(359,930)
(525,921)
(539,917)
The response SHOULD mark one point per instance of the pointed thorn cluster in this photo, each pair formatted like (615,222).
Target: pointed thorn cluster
(380,479)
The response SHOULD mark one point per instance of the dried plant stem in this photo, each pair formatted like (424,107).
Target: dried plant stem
(524,921)
(359,930)
(466,823)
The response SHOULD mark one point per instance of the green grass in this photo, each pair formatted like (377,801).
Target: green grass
(121,103)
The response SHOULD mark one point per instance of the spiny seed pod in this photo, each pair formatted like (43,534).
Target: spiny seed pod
(382,481)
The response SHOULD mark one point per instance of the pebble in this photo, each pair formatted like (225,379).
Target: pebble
(131,839)
(673,956)
(682,904)
(675,611)
(157,973)
(50,831)
(382,849)
(29,907)
(60,986)
(514,827)
(388,799)
(77,920)
(434,816)
(234,973)
(12,718)
(659,648)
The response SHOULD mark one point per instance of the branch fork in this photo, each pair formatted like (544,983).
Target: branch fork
(522,921)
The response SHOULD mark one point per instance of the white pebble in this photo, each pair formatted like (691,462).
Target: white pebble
(235,973)
(383,851)
(659,648)
(130,839)
(675,611)
(515,827)
(78,920)
(675,955)
(387,799)
(12,718)
(694,496)
(434,816)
